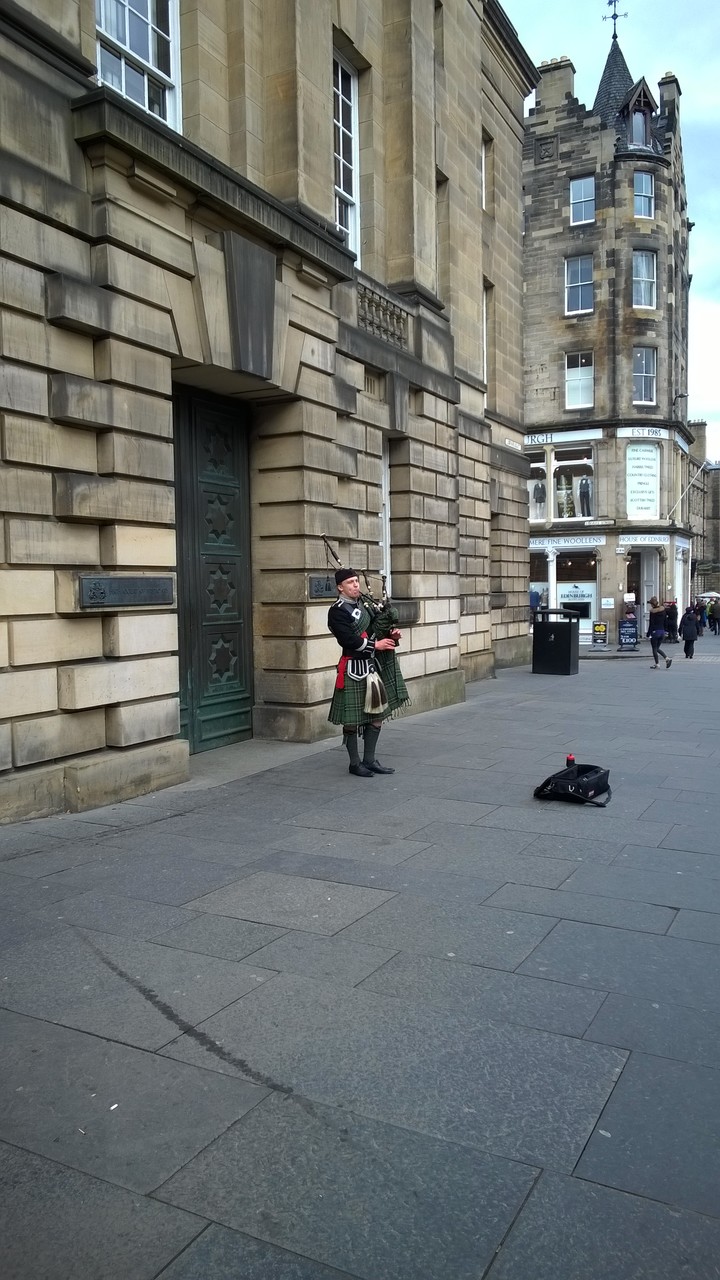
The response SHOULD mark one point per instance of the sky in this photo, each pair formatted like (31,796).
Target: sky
(658,36)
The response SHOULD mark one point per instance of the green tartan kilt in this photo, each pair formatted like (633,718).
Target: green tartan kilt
(348,704)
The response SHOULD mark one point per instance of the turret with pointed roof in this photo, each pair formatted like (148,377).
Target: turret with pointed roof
(615,84)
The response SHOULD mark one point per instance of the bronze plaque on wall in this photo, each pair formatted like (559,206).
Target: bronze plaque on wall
(104,591)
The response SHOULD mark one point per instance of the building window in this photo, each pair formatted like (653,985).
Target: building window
(644,279)
(644,195)
(138,52)
(639,128)
(644,375)
(582,200)
(345,120)
(579,380)
(385,512)
(578,284)
(573,483)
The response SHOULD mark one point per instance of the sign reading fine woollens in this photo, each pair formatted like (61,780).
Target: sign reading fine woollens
(109,592)
(599,633)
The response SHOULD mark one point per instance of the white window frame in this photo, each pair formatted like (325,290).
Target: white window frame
(645,379)
(346,161)
(485,334)
(580,387)
(579,285)
(483,173)
(131,62)
(647,196)
(579,199)
(643,281)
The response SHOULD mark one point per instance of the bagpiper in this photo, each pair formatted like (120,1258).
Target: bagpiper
(369,686)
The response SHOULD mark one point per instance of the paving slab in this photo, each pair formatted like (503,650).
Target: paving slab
(634,964)
(659,1135)
(574,849)
(478,935)
(338,844)
(703,926)
(670,889)
(675,861)
(436,885)
(16,927)
(221,1254)
(174,881)
(293,902)
(572,1230)
(694,838)
(219,936)
(328,959)
(509,1090)
(72,979)
(660,1028)
(487,993)
(566,905)
(111,1111)
(69,1226)
(354,1193)
(552,817)
(487,853)
(112,913)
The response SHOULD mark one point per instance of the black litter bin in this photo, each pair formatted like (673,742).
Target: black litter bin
(556,643)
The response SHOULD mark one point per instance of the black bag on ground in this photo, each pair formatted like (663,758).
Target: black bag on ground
(579,783)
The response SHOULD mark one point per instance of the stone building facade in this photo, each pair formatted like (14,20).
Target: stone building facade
(606,307)
(260,282)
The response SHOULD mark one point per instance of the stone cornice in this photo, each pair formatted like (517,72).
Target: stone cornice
(103,116)
(40,39)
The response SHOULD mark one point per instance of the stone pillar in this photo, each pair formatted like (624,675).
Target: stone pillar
(552,579)
(410,168)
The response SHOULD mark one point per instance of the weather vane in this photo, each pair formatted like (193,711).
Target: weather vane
(613,17)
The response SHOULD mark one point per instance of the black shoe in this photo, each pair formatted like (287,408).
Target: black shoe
(360,770)
(376,767)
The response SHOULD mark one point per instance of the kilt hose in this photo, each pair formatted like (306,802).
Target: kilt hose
(348,704)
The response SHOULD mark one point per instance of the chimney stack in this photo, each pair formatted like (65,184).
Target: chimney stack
(556,83)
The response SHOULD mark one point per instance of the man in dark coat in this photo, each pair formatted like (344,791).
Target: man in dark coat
(689,630)
(359,703)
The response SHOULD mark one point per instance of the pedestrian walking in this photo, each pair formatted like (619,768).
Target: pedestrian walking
(656,632)
(671,621)
(369,686)
(688,630)
(700,617)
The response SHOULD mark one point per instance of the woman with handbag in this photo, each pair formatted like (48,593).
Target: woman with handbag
(656,632)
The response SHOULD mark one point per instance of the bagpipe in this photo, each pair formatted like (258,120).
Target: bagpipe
(383,614)
(383,621)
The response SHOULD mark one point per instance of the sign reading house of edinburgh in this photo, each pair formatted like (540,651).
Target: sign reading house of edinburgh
(110,592)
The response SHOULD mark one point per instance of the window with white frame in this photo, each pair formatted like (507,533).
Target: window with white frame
(138,53)
(582,200)
(578,284)
(644,375)
(644,188)
(579,386)
(345,121)
(644,278)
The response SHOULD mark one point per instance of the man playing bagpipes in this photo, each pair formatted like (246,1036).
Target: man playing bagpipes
(369,685)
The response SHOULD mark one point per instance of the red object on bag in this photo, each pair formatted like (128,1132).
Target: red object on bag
(569,761)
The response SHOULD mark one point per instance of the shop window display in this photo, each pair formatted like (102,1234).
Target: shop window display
(573,484)
(537,491)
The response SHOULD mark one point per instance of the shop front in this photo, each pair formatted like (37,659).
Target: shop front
(564,572)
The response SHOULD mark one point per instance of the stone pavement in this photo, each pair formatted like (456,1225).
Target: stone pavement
(477,1040)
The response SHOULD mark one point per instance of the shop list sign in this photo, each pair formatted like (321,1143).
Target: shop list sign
(642,474)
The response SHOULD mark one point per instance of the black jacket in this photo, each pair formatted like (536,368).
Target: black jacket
(688,627)
(344,620)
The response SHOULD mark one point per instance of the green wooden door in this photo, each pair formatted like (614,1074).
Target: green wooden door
(213,571)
